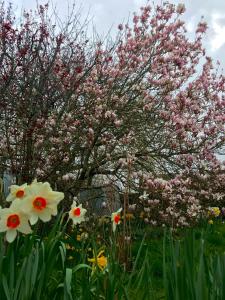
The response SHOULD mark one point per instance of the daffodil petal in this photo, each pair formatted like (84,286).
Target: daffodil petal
(11,235)
(33,219)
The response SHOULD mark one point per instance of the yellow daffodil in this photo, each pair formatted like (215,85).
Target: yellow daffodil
(12,220)
(116,219)
(40,202)
(77,213)
(214,211)
(16,192)
(99,261)
(210,222)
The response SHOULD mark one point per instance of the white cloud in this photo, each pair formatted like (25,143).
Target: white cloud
(191,24)
(218,38)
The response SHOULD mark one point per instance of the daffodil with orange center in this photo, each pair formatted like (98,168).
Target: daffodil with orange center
(12,220)
(116,219)
(99,261)
(77,213)
(16,192)
(41,202)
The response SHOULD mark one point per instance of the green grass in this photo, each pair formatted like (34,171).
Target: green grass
(157,264)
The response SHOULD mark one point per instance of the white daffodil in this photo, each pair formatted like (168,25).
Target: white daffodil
(12,219)
(116,219)
(77,213)
(41,202)
(16,192)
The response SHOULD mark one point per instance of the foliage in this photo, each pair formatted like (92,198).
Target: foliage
(189,272)
(164,264)
(32,267)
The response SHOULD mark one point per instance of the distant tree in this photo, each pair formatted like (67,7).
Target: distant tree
(147,109)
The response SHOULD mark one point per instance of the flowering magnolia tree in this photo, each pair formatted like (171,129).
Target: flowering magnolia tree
(148,109)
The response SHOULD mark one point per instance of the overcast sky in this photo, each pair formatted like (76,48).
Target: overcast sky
(107,14)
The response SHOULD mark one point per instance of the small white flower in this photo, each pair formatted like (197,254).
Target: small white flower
(16,192)
(116,219)
(144,196)
(132,206)
(77,213)
(12,219)
(147,209)
(65,177)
